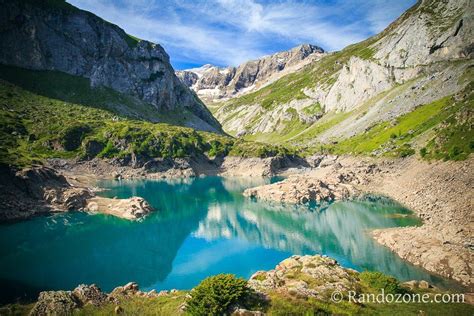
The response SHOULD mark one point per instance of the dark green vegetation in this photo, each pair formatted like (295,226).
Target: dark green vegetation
(216,295)
(378,281)
(61,116)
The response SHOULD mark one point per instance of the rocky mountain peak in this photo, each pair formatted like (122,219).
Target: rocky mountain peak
(213,83)
(423,56)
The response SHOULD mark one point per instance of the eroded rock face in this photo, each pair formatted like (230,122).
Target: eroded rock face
(429,32)
(37,190)
(357,82)
(213,83)
(57,36)
(306,276)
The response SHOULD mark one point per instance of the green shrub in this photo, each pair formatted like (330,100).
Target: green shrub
(109,151)
(215,295)
(404,151)
(423,152)
(454,152)
(73,135)
(218,149)
(377,281)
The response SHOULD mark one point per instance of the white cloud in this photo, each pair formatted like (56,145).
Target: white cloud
(229,32)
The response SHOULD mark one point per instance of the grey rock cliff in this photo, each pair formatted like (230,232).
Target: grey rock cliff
(431,31)
(58,36)
(211,82)
(419,58)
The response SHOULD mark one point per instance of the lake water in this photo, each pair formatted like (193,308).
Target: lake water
(201,227)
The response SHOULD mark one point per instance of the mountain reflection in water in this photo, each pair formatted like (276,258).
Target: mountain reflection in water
(201,227)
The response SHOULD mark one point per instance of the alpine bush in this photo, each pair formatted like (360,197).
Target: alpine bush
(216,295)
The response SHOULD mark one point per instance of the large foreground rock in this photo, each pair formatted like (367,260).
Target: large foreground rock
(55,303)
(306,276)
(65,302)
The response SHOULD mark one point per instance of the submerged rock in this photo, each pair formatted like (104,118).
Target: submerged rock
(132,208)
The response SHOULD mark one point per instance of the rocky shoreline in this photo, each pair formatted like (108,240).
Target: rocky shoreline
(62,185)
(440,193)
(42,190)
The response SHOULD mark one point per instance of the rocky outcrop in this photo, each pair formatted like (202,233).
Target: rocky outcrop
(306,276)
(37,190)
(337,183)
(90,294)
(429,32)
(301,189)
(131,209)
(212,83)
(66,302)
(41,190)
(55,35)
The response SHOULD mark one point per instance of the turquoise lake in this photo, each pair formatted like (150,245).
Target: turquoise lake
(201,227)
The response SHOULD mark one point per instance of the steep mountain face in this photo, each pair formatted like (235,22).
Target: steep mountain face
(421,58)
(214,83)
(53,35)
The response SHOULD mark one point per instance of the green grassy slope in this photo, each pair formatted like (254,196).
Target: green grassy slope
(286,303)
(34,127)
(74,89)
(291,86)
(441,129)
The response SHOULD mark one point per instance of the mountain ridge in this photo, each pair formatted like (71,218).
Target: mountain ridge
(413,63)
(214,83)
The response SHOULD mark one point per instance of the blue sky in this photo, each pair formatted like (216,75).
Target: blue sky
(229,32)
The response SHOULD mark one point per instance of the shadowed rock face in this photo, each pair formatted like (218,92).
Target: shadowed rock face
(211,82)
(36,190)
(58,36)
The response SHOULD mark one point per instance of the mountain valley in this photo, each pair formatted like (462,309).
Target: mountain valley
(92,118)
